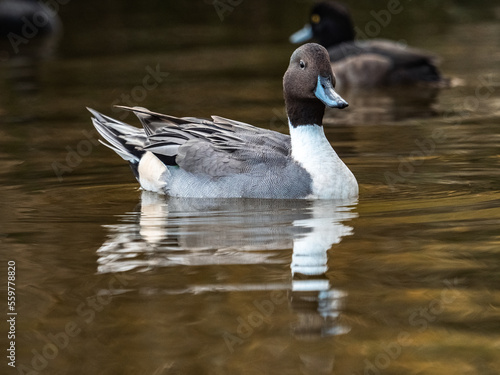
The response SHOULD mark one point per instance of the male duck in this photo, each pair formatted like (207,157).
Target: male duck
(222,158)
(367,63)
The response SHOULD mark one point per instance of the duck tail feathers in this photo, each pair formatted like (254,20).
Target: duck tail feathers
(127,141)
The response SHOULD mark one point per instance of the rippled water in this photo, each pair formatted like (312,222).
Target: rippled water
(111,280)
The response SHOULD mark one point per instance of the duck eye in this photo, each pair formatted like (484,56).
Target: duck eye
(302,64)
(315,18)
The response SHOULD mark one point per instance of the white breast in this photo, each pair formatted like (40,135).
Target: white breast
(331,177)
(152,173)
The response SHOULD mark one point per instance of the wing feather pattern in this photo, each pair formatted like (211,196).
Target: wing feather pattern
(216,148)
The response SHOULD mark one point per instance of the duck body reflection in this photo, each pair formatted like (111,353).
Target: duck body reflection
(180,235)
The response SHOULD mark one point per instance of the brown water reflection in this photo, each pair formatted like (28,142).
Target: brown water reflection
(404,281)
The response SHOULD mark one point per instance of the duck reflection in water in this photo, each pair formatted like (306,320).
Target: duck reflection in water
(186,232)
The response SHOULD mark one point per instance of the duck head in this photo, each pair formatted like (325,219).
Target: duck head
(329,24)
(308,86)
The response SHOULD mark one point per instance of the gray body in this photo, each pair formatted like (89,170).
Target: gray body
(222,158)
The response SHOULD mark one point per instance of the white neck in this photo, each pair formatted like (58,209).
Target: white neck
(312,150)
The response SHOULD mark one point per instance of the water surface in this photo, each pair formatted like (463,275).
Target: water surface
(111,280)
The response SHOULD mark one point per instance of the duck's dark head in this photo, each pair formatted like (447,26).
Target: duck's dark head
(329,24)
(308,85)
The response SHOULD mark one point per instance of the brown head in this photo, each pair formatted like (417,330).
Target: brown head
(308,85)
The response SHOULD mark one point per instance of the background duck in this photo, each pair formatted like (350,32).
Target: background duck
(30,32)
(28,28)
(366,63)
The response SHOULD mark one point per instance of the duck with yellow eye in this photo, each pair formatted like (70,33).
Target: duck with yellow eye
(366,63)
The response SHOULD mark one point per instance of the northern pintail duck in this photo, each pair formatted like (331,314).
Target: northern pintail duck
(366,63)
(222,158)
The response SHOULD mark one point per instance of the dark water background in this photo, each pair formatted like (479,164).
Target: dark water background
(112,281)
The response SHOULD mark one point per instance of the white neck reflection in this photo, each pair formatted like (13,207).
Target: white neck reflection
(182,231)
